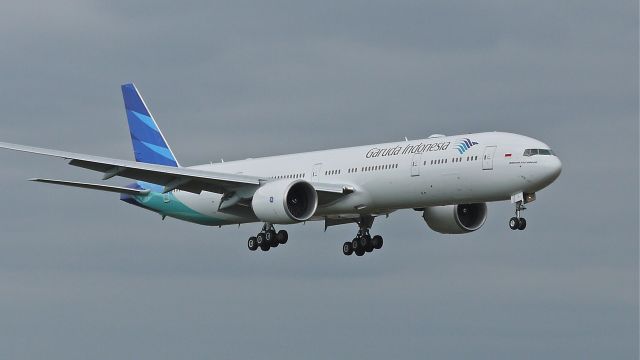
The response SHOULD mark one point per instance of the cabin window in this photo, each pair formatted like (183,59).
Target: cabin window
(531,152)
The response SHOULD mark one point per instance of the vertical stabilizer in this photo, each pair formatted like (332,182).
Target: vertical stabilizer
(149,145)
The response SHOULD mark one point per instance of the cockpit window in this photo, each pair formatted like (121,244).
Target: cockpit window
(531,152)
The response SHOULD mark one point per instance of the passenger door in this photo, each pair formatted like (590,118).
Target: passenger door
(315,173)
(487,159)
(415,164)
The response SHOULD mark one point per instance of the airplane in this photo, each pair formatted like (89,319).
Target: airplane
(449,179)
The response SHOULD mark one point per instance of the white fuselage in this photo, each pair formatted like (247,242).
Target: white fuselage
(390,176)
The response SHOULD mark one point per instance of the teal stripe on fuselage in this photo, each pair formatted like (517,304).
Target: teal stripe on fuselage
(168,205)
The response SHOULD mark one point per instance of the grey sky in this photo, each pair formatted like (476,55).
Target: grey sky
(82,275)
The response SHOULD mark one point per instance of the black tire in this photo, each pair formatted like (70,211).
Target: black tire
(514,223)
(355,244)
(270,236)
(347,248)
(265,246)
(260,239)
(377,242)
(364,241)
(252,243)
(274,243)
(368,248)
(359,252)
(523,224)
(282,237)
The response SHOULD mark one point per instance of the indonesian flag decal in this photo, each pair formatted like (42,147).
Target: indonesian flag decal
(507,155)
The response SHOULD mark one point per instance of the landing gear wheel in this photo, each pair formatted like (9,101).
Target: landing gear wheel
(347,248)
(355,244)
(377,242)
(523,224)
(517,222)
(364,240)
(514,223)
(282,237)
(252,243)
(270,236)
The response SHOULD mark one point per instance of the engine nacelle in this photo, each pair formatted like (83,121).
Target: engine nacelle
(456,219)
(285,201)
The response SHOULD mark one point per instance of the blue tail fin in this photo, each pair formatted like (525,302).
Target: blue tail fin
(149,145)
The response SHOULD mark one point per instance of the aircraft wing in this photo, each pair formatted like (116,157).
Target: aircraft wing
(82,185)
(170,177)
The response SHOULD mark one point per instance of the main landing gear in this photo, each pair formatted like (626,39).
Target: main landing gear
(517,222)
(363,242)
(267,238)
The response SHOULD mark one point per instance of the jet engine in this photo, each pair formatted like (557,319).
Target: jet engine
(456,219)
(285,201)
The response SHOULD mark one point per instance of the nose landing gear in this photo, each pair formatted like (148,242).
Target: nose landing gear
(517,222)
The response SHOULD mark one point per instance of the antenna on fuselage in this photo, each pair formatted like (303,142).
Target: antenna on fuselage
(405,139)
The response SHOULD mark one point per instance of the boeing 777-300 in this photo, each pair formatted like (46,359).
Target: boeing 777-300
(449,179)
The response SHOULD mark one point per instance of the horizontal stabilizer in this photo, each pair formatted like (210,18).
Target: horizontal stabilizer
(115,189)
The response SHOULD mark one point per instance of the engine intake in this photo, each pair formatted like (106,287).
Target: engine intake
(456,219)
(285,201)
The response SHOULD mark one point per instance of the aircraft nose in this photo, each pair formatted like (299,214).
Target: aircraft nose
(554,168)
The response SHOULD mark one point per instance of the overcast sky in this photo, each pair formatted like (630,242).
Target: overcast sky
(85,276)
